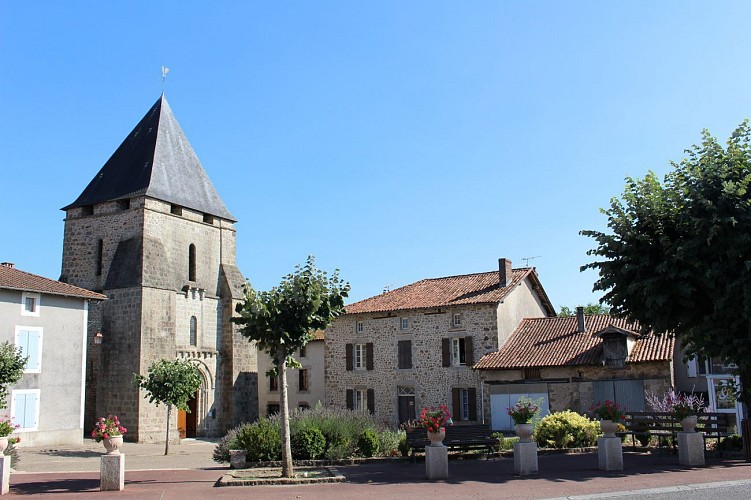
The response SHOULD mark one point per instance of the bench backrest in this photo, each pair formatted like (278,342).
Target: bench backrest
(454,433)
(655,420)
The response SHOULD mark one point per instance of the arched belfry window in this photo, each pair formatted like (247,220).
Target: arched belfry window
(193,331)
(192,262)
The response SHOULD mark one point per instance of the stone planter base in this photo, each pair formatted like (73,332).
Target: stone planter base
(525,458)
(610,453)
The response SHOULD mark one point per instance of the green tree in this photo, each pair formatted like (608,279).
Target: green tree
(172,382)
(12,363)
(678,257)
(284,319)
(588,309)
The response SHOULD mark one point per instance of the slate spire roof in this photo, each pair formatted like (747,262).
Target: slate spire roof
(155,160)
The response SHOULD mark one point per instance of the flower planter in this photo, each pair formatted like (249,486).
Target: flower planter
(689,423)
(609,428)
(524,431)
(436,438)
(113,444)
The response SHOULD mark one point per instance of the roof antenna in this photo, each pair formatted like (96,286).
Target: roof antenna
(165,70)
(527,259)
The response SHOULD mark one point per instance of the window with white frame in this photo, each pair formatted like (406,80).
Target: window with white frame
(456,320)
(405,323)
(30,304)
(464,404)
(360,356)
(29,339)
(458,352)
(24,409)
(361,399)
(359,327)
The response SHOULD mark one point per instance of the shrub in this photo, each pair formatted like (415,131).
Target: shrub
(390,441)
(731,443)
(228,442)
(566,429)
(339,449)
(504,443)
(367,442)
(307,443)
(262,440)
(404,447)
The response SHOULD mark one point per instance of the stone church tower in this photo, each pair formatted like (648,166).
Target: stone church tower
(151,233)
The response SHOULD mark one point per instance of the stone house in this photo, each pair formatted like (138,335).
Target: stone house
(151,232)
(305,388)
(49,321)
(574,362)
(415,346)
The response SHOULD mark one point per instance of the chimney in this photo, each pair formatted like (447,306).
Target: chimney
(581,326)
(7,264)
(504,272)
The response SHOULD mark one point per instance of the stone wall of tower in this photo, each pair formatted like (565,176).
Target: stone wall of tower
(144,261)
(83,257)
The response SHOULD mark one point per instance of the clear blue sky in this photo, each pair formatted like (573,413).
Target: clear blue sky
(393,140)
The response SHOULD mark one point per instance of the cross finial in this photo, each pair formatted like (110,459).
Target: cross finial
(165,70)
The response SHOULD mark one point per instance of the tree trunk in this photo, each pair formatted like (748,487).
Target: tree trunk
(166,442)
(287,470)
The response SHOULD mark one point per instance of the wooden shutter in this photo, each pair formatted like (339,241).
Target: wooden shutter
(349,356)
(369,356)
(456,403)
(405,354)
(350,399)
(371,400)
(446,351)
(472,397)
(468,358)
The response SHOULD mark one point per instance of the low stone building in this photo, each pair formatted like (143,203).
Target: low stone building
(414,346)
(305,387)
(48,320)
(574,362)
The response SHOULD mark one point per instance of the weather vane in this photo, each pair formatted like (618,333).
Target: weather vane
(165,70)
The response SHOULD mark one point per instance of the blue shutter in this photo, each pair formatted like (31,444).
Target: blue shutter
(25,409)
(32,351)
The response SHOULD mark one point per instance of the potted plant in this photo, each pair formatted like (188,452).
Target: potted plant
(610,415)
(7,427)
(686,409)
(434,420)
(522,414)
(109,432)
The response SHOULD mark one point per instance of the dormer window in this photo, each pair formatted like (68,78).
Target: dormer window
(616,345)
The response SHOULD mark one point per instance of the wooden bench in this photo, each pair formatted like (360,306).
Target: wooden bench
(664,424)
(458,437)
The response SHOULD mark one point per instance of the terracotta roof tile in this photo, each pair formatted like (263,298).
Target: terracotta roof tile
(15,279)
(540,342)
(479,288)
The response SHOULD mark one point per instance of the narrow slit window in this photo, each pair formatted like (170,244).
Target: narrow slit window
(99,252)
(192,262)
(193,331)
